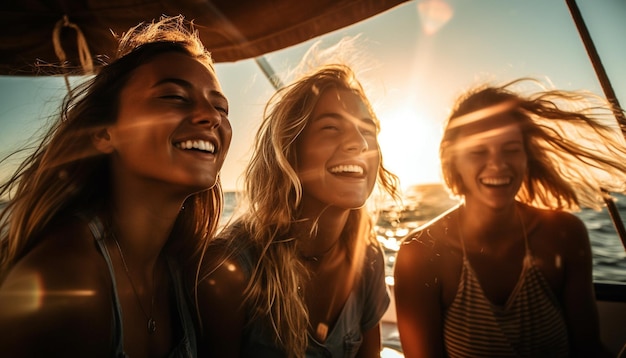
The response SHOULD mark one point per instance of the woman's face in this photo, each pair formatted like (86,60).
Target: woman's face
(172,126)
(491,162)
(338,155)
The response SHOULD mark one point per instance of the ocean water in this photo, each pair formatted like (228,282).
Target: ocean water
(425,202)
(609,256)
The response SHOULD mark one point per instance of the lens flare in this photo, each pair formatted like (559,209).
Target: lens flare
(29,295)
(434,14)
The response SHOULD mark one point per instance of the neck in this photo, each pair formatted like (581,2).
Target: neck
(485,223)
(319,236)
(143,225)
(483,213)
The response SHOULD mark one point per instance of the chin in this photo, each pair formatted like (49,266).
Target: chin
(351,203)
(199,186)
(500,204)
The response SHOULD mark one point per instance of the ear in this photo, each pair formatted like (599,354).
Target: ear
(101,140)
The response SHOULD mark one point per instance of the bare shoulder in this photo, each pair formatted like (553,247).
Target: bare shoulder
(65,258)
(559,240)
(222,269)
(561,226)
(220,297)
(421,250)
(56,295)
(222,281)
(423,274)
(556,217)
(429,237)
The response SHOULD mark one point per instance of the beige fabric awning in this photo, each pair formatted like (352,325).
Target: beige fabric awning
(231,30)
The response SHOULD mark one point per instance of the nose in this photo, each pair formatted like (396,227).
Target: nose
(207,114)
(355,141)
(496,160)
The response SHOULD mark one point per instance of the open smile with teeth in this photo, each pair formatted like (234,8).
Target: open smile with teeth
(496,181)
(196,144)
(347,169)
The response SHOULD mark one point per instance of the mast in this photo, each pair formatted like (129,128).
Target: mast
(611,97)
(268,71)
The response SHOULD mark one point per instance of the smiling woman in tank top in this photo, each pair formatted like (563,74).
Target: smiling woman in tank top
(507,273)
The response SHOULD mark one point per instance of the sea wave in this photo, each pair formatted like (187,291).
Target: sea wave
(424,202)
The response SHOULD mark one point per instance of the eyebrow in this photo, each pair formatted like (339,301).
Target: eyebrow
(335,115)
(185,84)
(503,145)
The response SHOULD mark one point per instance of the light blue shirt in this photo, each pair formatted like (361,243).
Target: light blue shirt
(363,310)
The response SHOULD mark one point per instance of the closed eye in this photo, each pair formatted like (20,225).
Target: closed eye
(222,109)
(220,104)
(513,148)
(368,129)
(174,97)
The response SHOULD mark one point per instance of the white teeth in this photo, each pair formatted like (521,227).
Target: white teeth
(347,169)
(202,145)
(496,181)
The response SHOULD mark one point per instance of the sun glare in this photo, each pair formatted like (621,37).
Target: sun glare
(410,143)
(434,14)
(28,295)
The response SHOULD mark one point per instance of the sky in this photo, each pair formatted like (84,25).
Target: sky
(417,58)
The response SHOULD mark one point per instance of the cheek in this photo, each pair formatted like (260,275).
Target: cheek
(467,162)
(313,153)
(524,161)
(226,137)
(310,166)
(461,168)
(374,156)
(137,139)
(457,166)
(523,169)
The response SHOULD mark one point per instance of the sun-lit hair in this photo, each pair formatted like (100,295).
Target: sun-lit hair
(273,193)
(575,149)
(66,175)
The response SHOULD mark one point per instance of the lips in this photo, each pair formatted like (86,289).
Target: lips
(496,181)
(196,144)
(348,169)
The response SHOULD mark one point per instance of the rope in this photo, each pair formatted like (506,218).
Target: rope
(83,49)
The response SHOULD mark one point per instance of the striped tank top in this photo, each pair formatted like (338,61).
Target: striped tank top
(530,324)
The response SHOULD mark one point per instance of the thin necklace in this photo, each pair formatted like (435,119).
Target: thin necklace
(151,322)
(318,257)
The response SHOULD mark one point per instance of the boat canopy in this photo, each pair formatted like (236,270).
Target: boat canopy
(82,31)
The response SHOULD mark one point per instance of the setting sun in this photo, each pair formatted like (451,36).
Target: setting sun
(410,142)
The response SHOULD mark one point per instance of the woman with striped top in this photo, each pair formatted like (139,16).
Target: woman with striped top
(508,272)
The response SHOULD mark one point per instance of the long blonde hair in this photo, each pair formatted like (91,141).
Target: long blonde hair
(65,175)
(273,192)
(576,152)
